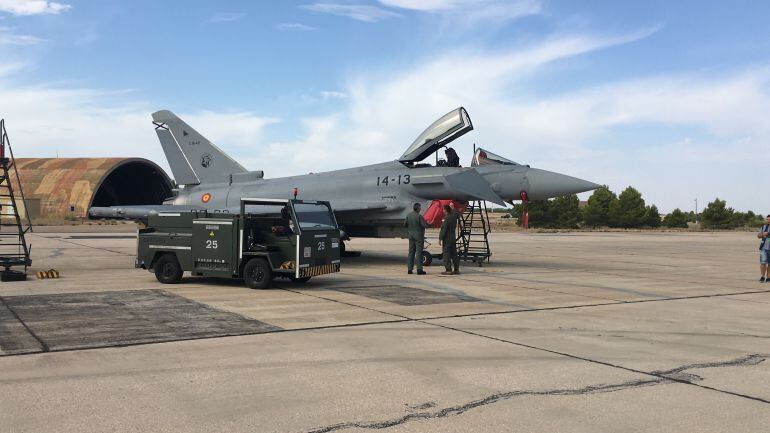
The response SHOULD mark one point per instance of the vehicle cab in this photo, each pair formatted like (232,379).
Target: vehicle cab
(298,239)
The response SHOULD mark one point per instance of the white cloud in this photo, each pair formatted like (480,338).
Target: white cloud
(717,133)
(45,121)
(721,107)
(385,113)
(333,94)
(365,13)
(9,37)
(33,7)
(294,26)
(457,16)
(503,11)
(306,155)
(468,13)
(428,5)
(11,68)
(524,6)
(225,17)
(239,132)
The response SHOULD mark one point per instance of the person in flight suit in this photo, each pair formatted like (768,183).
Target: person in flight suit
(416,226)
(452,160)
(446,239)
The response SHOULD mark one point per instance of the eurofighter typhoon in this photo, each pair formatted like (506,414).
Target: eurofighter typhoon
(369,201)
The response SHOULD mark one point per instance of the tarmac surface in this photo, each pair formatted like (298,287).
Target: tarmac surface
(573,332)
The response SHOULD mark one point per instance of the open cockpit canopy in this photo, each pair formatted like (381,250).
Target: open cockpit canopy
(485,157)
(440,133)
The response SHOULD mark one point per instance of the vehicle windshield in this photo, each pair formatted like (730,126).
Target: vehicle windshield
(264,211)
(314,216)
(439,133)
(485,157)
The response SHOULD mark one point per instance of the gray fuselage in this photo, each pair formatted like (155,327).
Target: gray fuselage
(373,200)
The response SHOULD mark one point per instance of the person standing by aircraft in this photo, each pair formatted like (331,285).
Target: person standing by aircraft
(416,226)
(447,240)
(764,251)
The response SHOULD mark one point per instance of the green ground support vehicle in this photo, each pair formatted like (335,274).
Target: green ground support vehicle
(295,239)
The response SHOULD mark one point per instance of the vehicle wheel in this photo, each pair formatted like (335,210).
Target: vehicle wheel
(427,258)
(299,280)
(168,270)
(257,274)
(342,248)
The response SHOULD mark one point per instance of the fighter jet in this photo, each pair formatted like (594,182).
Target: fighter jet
(369,201)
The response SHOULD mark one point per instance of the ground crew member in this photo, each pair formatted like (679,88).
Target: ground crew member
(416,225)
(446,239)
(764,251)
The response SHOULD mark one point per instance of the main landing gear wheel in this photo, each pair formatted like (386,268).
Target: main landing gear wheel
(257,274)
(427,258)
(168,270)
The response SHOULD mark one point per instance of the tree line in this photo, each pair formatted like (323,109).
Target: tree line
(628,210)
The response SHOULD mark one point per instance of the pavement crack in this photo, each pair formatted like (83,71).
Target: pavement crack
(680,372)
(661,377)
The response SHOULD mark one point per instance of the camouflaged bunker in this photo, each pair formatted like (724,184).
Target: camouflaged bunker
(59,188)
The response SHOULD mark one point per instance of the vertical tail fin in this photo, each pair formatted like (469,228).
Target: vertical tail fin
(180,167)
(193,158)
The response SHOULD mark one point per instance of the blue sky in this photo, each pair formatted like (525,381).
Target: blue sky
(670,97)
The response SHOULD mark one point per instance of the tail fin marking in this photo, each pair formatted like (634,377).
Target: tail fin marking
(201,158)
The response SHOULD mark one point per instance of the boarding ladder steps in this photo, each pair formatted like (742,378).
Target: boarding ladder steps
(473,233)
(14,250)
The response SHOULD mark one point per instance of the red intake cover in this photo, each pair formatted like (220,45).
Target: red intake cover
(435,213)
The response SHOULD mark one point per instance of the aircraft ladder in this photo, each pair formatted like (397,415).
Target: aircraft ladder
(14,250)
(473,233)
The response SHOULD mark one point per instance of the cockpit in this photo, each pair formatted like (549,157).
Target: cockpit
(440,133)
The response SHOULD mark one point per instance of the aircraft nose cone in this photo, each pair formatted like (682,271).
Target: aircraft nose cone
(545,184)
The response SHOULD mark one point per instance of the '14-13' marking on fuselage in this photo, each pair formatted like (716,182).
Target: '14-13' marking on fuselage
(399,180)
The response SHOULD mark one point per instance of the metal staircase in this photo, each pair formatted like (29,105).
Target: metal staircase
(14,250)
(473,234)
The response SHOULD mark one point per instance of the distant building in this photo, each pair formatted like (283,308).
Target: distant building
(67,187)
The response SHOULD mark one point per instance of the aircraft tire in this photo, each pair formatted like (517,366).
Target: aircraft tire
(427,258)
(257,274)
(168,270)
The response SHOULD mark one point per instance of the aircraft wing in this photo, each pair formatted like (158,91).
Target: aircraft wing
(467,183)
(472,183)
